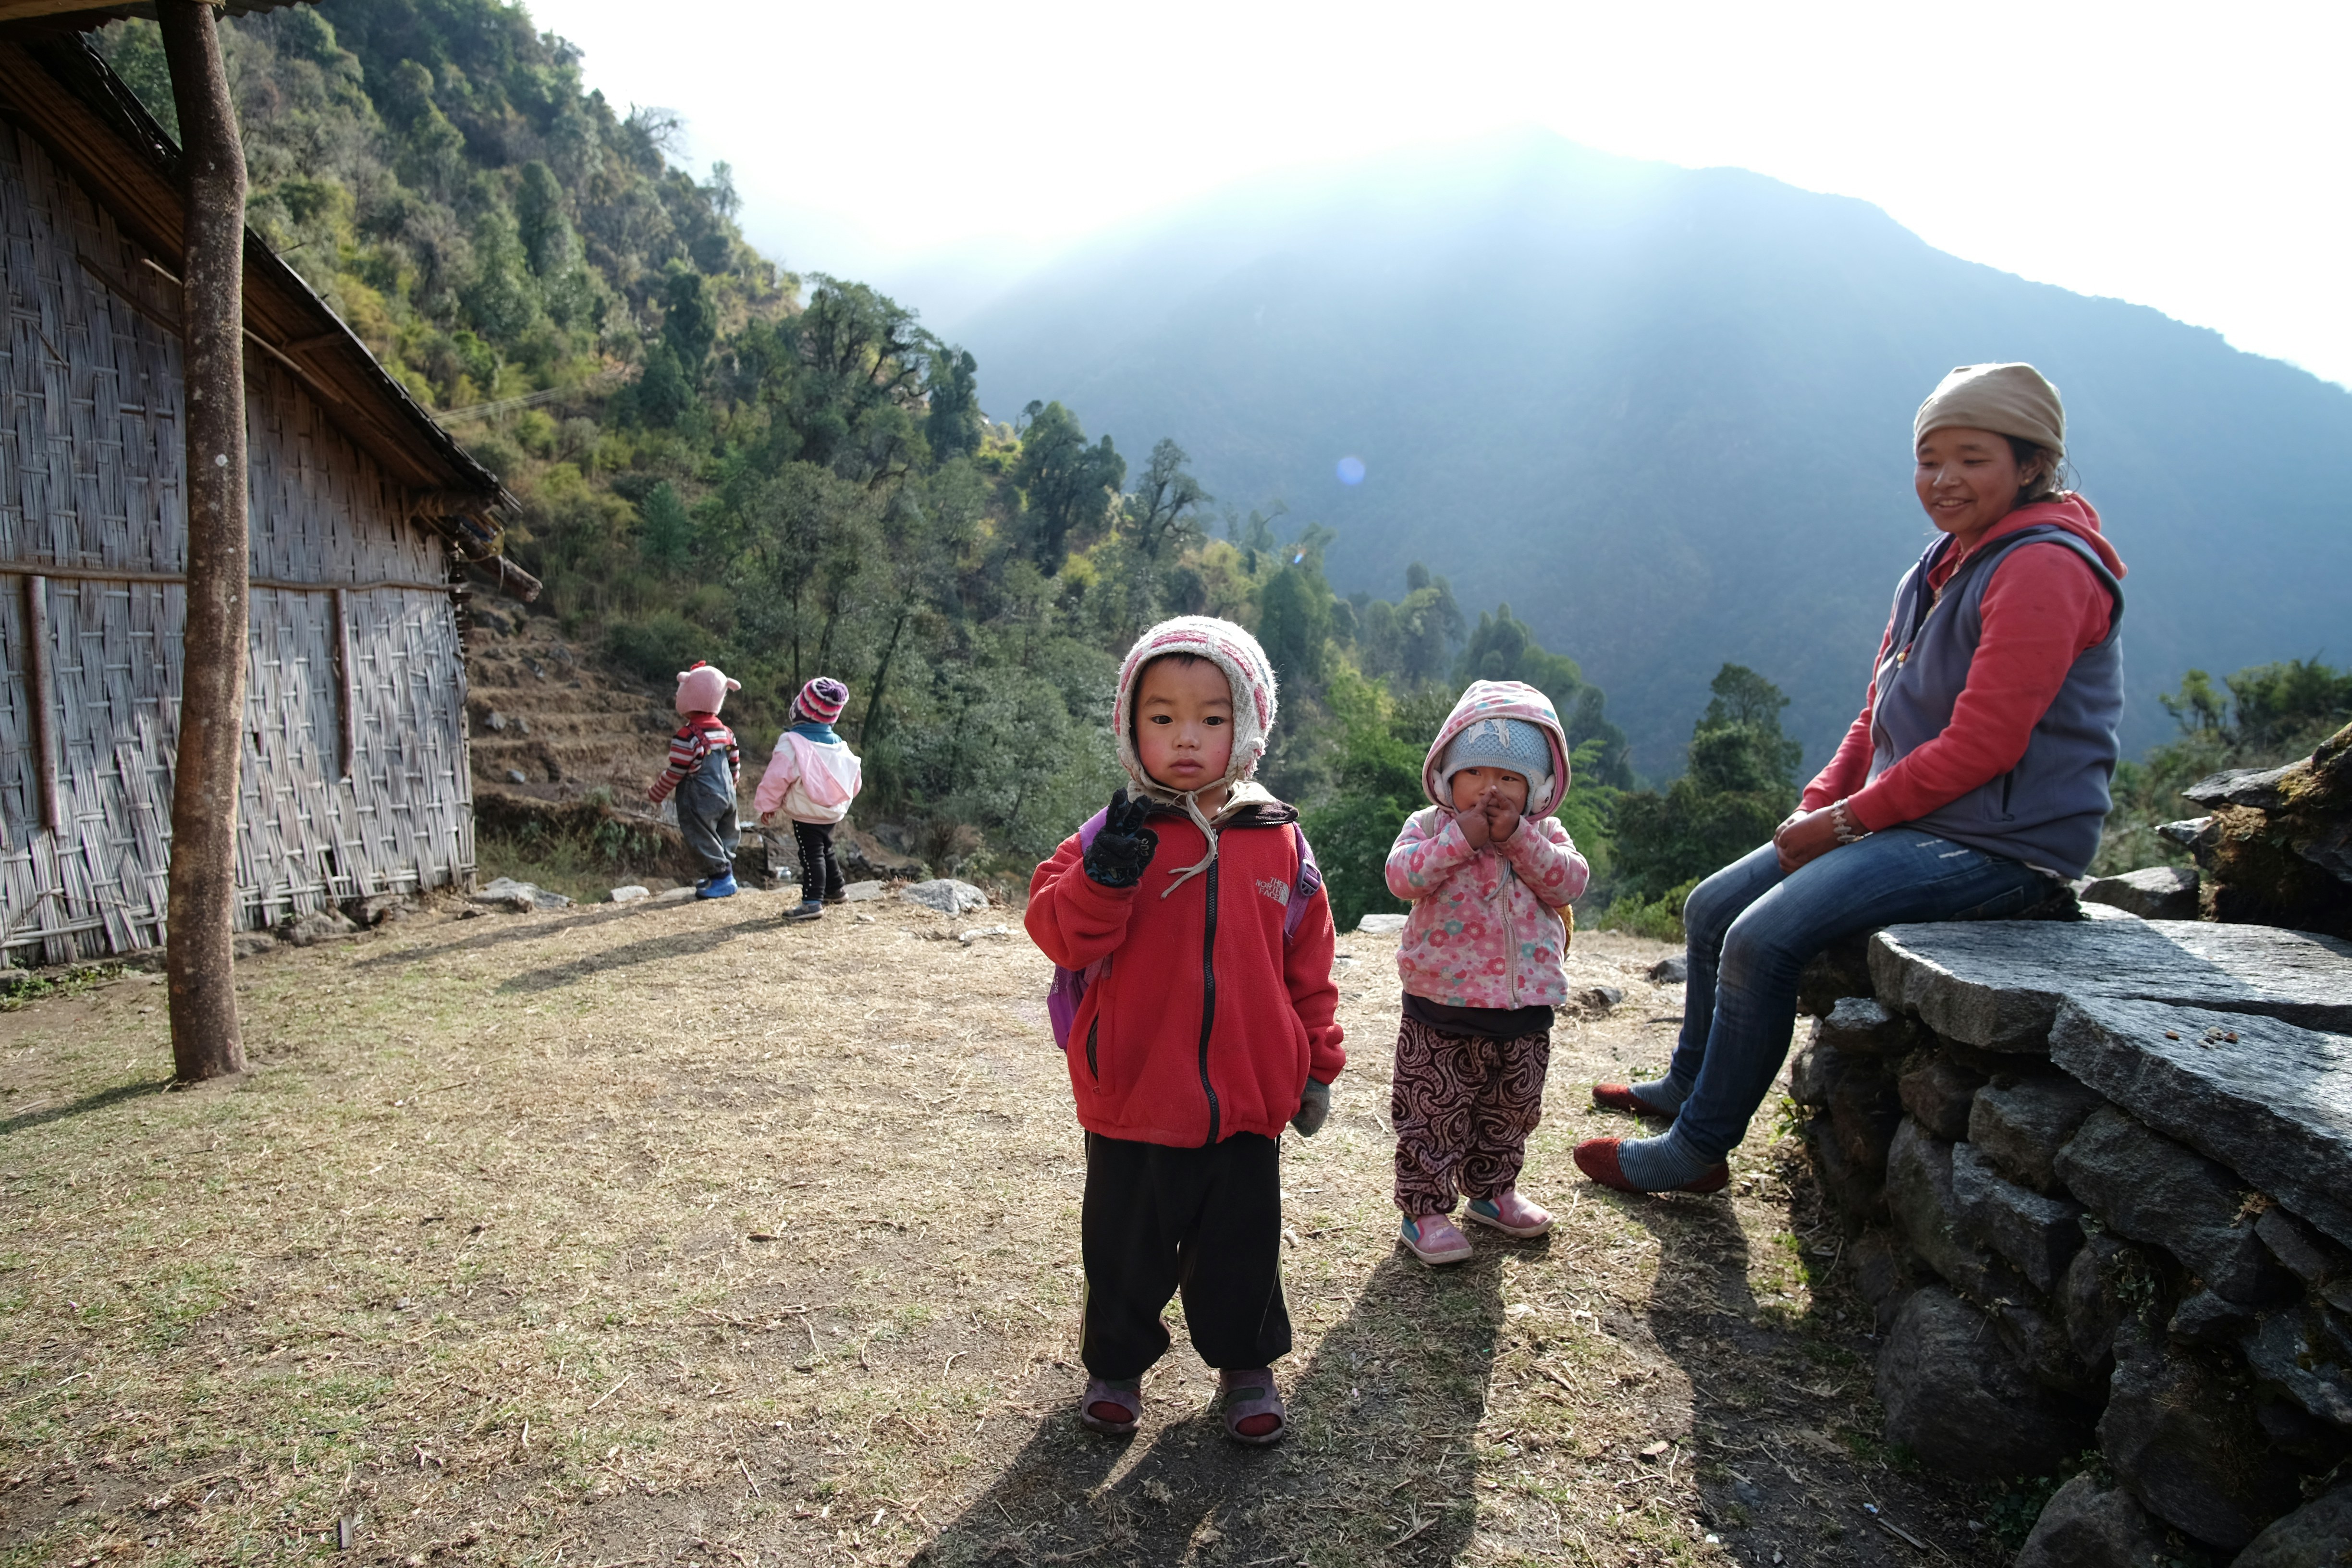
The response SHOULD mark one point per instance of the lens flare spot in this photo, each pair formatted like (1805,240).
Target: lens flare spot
(1351,470)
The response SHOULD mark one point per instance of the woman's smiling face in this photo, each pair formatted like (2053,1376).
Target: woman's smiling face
(1968,480)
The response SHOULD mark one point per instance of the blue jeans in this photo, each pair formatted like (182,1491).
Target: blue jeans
(1752,929)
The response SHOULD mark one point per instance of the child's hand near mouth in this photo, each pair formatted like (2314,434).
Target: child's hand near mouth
(1475,823)
(1501,816)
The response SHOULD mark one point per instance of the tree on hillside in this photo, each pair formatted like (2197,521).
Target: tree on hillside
(1069,486)
(1412,639)
(951,394)
(1740,784)
(1161,515)
(1504,647)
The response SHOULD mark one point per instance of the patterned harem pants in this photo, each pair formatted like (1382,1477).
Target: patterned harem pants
(1463,1106)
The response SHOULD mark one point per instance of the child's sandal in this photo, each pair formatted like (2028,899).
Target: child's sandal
(1110,1408)
(1252,1408)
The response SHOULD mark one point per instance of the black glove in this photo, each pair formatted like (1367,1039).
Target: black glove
(1122,850)
(1313,1108)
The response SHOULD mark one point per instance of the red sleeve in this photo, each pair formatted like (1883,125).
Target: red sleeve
(1307,975)
(2041,609)
(1073,919)
(1849,768)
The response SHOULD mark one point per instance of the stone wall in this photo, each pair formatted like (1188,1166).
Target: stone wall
(2098,1179)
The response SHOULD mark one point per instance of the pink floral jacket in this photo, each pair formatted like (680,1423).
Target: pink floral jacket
(1486,928)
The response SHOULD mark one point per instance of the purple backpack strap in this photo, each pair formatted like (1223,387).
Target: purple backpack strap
(1303,891)
(1068,987)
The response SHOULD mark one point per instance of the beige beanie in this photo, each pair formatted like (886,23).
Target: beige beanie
(2006,399)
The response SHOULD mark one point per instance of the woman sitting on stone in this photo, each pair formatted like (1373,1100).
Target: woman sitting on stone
(1973,783)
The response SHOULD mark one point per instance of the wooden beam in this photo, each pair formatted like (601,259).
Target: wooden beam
(347,732)
(206,1039)
(40,691)
(55,10)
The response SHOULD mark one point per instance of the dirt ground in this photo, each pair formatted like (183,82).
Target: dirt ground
(674,1234)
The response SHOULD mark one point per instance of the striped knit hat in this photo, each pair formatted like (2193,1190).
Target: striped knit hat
(822,700)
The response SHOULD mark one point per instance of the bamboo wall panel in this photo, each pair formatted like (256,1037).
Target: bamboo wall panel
(90,464)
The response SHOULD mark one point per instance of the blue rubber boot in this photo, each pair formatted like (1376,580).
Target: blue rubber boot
(722,886)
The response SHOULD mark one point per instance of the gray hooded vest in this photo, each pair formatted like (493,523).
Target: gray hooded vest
(2047,810)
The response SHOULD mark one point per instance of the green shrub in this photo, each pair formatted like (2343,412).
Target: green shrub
(660,644)
(1660,919)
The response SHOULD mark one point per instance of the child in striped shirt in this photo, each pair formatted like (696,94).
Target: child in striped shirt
(704,761)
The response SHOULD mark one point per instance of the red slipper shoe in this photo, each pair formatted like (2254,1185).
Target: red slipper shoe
(1618,1096)
(1597,1158)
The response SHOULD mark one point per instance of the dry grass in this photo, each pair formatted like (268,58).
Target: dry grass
(628,1235)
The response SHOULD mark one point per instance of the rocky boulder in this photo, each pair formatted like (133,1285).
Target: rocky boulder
(2270,1100)
(946,895)
(1919,1200)
(2157,893)
(1859,1026)
(2089,1525)
(2316,1534)
(2180,1430)
(1956,1399)
(2277,847)
(2148,1188)
(1997,984)
(2108,1284)
(2038,1234)
(2308,1354)
(1938,1093)
(2021,1127)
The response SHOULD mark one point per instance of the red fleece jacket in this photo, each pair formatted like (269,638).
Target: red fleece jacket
(1202,1023)
(2041,610)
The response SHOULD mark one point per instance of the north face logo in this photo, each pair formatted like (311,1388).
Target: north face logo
(1275,888)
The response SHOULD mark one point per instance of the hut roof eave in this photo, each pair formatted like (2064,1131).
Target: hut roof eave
(57,88)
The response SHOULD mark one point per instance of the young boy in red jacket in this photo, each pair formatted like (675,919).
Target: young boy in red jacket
(1206,1025)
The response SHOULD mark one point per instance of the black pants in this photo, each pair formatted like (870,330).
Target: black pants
(820,872)
(1207,1222)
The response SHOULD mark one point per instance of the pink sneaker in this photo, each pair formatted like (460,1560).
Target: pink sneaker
(1511,1214)
(1434,1240)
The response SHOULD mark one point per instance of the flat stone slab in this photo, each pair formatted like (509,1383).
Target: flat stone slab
(2269,1100)
(1997,984)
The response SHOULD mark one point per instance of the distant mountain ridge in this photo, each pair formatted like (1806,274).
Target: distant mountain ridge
(1665,414)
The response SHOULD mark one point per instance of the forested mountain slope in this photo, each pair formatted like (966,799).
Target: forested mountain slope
(1666,413)
(787,475)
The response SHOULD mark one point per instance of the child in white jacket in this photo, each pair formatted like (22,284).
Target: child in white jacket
(811,780)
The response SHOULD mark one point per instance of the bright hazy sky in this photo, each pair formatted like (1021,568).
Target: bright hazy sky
(2196,159)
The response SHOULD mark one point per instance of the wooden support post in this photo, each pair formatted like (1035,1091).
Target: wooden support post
(346,688)
(41,692)
(206,1041)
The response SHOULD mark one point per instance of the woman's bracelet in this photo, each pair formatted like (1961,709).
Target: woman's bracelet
(1848,831)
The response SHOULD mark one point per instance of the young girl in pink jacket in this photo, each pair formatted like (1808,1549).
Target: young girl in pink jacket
(1487,870)
(810,782)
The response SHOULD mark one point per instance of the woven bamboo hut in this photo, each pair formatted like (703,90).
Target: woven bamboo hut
(365,519)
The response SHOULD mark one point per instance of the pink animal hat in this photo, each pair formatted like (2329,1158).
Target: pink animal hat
(702,689)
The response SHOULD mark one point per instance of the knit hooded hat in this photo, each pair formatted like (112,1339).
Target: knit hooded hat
(1517,707)
(1250,677)
(822,700)
(702,689)
(1512,744)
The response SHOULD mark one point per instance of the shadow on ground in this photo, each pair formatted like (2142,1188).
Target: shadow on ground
(37,1115)
(1380,1461)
